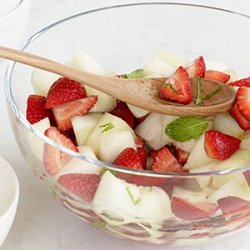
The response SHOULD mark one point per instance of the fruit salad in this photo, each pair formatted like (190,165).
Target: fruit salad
(100,127)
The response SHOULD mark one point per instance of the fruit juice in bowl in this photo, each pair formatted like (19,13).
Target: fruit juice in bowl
(137,174)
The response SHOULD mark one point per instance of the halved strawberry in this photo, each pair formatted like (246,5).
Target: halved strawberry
(54,159)
(241,120)
(242,82)
(82,185)
(139,142)
(220,146)
(164,161)
(177,88)
(36,110)
(64,90)
(141,151)
(181,155)
(197,68)
(243,101)
(63,113)
(217,76)
(121,110)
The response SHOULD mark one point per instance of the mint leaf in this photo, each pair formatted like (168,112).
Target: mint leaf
(199,92)
(186,128)
(138,73)
(135,202)
(107,127)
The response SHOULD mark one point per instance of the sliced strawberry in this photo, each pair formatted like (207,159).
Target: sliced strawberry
(82,185)
(217,76)
(141,151)
(177,88)
(241,120)
(140,142)
(242,82)
(54,159)
(181,155)
(36,110)
(164,161)
(186,210)
(121,110)
(220,146)
(243,101)
(197,68)
(141,119)
(70,134)
(64,90)
(63,113)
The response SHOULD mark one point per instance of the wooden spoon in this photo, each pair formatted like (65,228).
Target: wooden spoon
(142,92)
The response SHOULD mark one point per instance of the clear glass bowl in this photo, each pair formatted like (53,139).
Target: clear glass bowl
(123,38)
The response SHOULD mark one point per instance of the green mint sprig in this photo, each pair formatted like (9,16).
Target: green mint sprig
(106,127)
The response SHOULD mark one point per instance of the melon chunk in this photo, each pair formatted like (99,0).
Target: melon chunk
(137,112)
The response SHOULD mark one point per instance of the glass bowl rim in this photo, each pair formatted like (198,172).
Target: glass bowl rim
(19,115)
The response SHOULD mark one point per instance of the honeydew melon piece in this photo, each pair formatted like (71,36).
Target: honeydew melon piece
(165,120)
(42,81)
(78,166)
(113,142)
(208,191)
(186,145)
(219,180)
(189,195)
(119,125)
(245,143)
(227,125)
(162,63)
(35,143)
(137,112)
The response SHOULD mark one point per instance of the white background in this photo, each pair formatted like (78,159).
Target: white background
(41,223)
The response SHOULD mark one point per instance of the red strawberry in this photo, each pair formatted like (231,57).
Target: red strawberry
(71,135)
(243,102)
(164,161)
(141,151)
(177,88)
(186,210)
(36,110)
(182,156)
(121,110)
(141,119)
(197,68)
(63,113)
(217,76)
(82,185)
(220,146)
(54,159)
(241,120)
(242,82)
(64,90)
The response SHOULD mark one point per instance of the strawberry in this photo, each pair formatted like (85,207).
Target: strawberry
(241,120)
(63,113)
(243,101)
(242,82)
(36,110)
(197,68)
(141,151)
(177,88)
(164,161)
(121,110)
(139,142)
(70,134)
(181,155)
(64,90)
(82,185)
(141,119)
(54,159)
(217,76)
(220,146)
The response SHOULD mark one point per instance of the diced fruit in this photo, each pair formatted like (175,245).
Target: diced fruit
(137,112)
(245,143)
(220,146)
(164,161)
(121,110)
(54,159)
(82,185)
(182,156)
(227,125)
(217,76)
(140,142)
(185,145)
(78,166)
(142,153)
(242,82)
(219,180)
(36,110)
(177,88)
(42,81)
(197,68)
(189,195)
(243,102)
(65,112)
(64,90)
(241,120)
(113,142)
(233,75)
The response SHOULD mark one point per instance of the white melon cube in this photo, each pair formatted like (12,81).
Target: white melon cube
(138,112)
(189,195)
(219,180)
(245,143)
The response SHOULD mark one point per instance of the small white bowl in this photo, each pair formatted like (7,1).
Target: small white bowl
(9,195)
(13,21)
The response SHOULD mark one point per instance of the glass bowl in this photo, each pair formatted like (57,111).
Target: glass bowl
(186,208)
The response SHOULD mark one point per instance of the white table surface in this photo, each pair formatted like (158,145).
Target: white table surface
(41,223)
